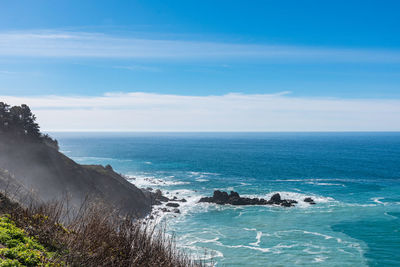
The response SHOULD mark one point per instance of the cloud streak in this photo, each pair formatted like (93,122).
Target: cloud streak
(232,112)
(54,44)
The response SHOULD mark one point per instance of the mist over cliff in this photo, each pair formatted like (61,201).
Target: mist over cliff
(31,163)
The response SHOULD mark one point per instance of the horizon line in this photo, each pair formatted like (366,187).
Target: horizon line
(129,131)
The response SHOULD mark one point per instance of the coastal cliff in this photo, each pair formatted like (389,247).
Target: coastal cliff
(33,164)
(55,212)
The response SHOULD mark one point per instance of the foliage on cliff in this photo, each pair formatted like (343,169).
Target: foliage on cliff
(20,123)
(47,235)
(34,162)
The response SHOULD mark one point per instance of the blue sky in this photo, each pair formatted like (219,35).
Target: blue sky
(342,50)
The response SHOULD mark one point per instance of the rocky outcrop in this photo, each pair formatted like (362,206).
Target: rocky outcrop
(309,200)
(172,204)
(276,200)
(222,198)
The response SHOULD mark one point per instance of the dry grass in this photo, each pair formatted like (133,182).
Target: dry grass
(95,235)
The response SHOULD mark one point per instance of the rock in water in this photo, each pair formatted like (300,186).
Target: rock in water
(276,198)
(159,196)
(176,211)
(222,198)
(234,194)
(171,204)
(309,200)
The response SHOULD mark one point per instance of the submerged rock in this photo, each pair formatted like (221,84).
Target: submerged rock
(222,198)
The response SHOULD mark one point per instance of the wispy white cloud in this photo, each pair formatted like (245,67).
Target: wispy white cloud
(231,112)
(137,68)
(88,45)
(6,72)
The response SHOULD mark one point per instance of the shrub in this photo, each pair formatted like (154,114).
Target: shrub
(21,250)
(94,235)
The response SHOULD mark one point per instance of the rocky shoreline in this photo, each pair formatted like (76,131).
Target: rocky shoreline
(158,199)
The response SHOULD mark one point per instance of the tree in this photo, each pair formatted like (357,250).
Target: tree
(4,117)
(18,121)
(16,126)
(31,128)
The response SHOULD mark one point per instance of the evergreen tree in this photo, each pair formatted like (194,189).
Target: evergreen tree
(31,128)
(18,123)
(4,117)
(16,126)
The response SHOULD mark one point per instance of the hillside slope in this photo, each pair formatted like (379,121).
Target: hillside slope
(52,175)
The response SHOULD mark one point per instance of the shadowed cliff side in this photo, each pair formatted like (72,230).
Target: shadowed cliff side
(33,160)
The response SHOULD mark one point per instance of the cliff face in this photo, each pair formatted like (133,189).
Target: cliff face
(51,175)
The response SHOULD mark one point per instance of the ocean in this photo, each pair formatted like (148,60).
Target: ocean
(354,179)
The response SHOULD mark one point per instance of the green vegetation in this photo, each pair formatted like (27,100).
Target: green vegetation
(70,231)
(20,249)
(20,123)
(41,235)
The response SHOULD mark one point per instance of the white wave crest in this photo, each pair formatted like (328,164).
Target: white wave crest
(377,200)
(201,180)
(326,184)
(249,247)
(143,181)
(258,238)
(320,259)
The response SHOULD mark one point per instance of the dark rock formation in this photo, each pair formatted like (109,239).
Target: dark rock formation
(176,211)
(222,198)
(180,200)
(276,198)
(309,200)
(172,204)
(159,196)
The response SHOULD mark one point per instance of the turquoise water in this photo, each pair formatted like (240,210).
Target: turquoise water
(354,178)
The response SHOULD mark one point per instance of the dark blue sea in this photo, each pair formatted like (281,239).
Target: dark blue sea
(354,179)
